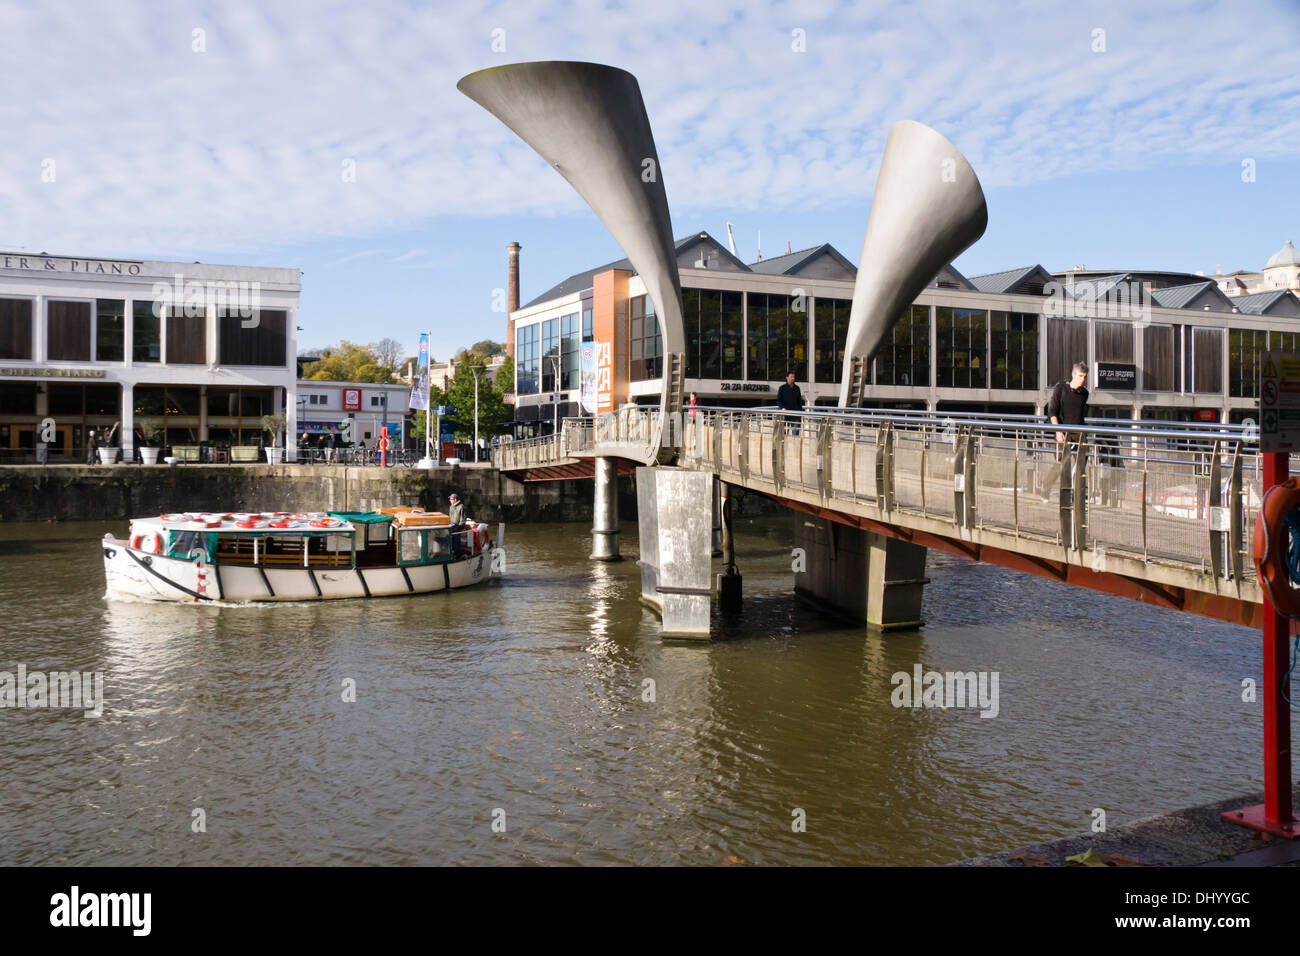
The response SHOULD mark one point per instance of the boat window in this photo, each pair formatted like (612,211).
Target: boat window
(338,542)
(377,533)
(410,546)
(439,544)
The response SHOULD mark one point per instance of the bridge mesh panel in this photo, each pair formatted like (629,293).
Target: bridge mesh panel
(907,469)
(940,456)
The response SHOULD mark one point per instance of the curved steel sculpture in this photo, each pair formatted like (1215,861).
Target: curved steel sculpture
(927,209)
(589,122)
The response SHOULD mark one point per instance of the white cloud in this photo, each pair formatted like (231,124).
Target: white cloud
(249,144)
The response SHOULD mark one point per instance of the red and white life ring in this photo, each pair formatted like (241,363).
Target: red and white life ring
(251,523)
(325,523)
(282,523)
(150,541)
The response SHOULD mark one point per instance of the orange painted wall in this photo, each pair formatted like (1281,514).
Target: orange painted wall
(609,327)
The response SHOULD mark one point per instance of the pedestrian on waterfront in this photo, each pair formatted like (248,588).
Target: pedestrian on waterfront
(790,398)
(335,444)
(90,447)
(1068,405)
(694,405)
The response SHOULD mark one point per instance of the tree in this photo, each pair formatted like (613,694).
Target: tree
(488,348)
(390,353)
(505,376)
(347,362)
(493,413)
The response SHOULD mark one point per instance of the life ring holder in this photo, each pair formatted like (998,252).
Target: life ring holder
(1277,532)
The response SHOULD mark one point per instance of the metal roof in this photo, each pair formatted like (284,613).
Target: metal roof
(791,262)
(1182,296)
(1264,303)
(1009,280)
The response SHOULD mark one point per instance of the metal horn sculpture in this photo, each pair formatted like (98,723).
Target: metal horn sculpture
(589,122)
(928,208)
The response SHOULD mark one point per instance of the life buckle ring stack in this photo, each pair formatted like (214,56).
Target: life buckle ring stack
(1269,547)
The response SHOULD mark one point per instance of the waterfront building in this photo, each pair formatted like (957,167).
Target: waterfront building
(1159,344)
(355,410)
(1281,271)
(200,351)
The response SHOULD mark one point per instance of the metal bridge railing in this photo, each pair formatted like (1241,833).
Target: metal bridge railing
(1182,495)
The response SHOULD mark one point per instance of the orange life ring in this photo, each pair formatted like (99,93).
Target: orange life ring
(150,541)
(1269,547)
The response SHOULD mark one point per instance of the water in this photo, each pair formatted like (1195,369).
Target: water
(526,697)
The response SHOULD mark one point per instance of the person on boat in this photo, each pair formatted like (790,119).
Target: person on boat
(456,512)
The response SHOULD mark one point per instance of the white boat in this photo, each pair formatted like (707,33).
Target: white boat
(308,556)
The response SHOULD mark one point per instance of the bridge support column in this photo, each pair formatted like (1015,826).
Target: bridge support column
(868,577)
(729,581)
(674,508)
(604,511)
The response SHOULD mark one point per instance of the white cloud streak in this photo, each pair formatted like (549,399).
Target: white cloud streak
(250,145)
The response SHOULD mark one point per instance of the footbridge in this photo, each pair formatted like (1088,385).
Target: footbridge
(1148,510)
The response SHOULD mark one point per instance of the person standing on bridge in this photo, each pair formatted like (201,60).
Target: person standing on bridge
(1067,406)
(1069,403)
(790,398)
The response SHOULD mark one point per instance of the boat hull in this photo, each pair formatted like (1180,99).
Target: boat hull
(133,573)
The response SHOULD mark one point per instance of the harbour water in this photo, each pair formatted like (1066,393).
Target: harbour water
(525,706)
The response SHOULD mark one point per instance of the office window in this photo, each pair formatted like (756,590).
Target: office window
(962,348)
(110,330)
(1067,343)
(570,348)
(588,328)
(645,340)
(1204,366)
(904,356)
(526,359)
(261,340)
(691,326)
(146,334)
(831,330)
(16,329)
(1014,343)
(756,335)
(187,337)
(1159,358)
(68,329)
(1244,349)
(732,338)
(550,353)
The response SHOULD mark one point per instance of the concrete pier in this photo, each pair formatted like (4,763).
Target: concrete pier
(674,508)
(604,512)
(865,576)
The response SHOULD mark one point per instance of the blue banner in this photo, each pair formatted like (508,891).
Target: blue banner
(420,391)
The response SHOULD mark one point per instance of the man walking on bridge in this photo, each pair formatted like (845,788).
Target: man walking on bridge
(1067,406)
(790,398)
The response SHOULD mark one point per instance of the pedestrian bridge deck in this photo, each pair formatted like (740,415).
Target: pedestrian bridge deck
(1155,511)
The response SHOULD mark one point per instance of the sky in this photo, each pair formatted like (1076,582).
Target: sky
(330,137)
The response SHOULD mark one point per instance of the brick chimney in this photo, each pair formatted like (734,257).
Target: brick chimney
(512,296)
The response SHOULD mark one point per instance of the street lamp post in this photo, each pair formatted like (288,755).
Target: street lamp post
(555,395)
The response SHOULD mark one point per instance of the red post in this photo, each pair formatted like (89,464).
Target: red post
(1275,814)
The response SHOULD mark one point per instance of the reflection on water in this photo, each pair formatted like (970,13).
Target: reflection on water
(533,696)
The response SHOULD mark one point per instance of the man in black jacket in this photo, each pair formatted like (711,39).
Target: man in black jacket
(790,398)
(1067,406)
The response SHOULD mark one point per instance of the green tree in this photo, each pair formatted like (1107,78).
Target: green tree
(505,377)
(348,362)
(493,413)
